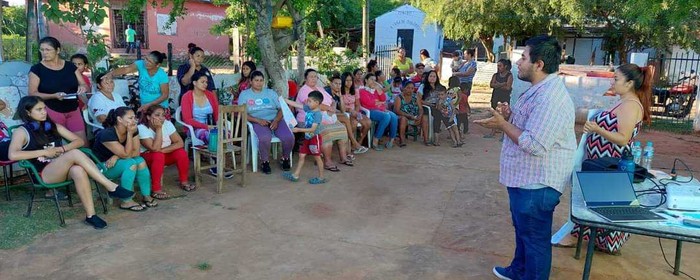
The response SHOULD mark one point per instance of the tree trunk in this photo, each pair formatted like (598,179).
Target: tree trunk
(266,43)
(300,32)
(32,32)
(487,42)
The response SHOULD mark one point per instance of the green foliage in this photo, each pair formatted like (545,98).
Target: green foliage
(85,14)
(133,9)
(14,21)
(327,60)
(13,47)
(204,266)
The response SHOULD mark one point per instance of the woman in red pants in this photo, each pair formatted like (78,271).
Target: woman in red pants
(162,146)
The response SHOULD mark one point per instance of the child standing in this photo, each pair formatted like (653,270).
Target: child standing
(463,114)
(446,105)
(312,136)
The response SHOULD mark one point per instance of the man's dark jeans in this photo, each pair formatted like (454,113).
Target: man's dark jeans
(130,46)
(532,211)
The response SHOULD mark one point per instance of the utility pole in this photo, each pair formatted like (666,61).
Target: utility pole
(365,29)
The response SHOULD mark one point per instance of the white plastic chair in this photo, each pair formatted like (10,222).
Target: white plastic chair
(578,161)
(291,121)
(191,138)
(427,110)
(371,127)
(90,121)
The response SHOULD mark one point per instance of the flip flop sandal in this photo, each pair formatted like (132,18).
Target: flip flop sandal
(350,157)
(316,181)
(189,187)
(378,148)
(135,208)
(401,145)
(161,196)
(361,150)
(348,163)
(289,176)
(427,144)
(389,145)
(332,168)
(150,204)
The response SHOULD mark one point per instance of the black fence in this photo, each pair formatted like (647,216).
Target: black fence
(384,54)
(675,90)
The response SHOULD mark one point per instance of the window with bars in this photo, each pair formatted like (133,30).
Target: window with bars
(119,26)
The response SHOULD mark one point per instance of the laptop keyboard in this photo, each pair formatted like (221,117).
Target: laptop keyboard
(627,213)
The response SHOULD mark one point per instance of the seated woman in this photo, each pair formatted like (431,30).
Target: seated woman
(428,90)
(351,102)
(161,145)
(265,113)
(372,98)
(409,108)
(200,109)
(40,141)
(610,133)
(104,100)
(336,93)
(332,131)
(118,147)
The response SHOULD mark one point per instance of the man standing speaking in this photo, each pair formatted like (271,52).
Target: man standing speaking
(537,156)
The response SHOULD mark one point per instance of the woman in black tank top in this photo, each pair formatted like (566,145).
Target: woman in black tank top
(39,140)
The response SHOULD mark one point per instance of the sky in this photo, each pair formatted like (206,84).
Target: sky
(16,2)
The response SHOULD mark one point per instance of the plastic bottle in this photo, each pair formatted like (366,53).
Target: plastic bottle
(637,152)
(626,164)
(648,155)
(213,140)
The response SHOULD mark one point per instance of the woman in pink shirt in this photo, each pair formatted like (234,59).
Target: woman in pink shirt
(331,129)
(372,98)
(351,100)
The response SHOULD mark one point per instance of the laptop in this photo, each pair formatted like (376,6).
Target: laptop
(610,194)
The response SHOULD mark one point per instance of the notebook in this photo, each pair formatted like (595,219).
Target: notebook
(610,194)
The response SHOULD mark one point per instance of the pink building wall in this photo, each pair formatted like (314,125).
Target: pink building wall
(193,28)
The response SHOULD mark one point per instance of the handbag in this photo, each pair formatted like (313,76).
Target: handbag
(610,164)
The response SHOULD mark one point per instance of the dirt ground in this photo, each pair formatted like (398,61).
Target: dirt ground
(406,213)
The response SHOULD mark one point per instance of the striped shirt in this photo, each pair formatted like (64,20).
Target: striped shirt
(545,153)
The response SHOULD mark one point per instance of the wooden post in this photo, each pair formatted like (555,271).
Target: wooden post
(320,28)
(365,29)
(32,32)
(170,59)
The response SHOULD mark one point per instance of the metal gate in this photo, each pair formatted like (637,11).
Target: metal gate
(384,54)
(675,90)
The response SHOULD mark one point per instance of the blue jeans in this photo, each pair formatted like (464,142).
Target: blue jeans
(130,46)
(532,211)
(384,119)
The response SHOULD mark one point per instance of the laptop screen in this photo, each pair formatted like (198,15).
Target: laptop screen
(606,188)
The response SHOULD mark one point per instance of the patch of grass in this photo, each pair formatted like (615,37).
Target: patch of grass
(16,230)
(672,125)
(203,266)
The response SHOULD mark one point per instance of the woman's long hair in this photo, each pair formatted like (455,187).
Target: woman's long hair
(344,77)
(45,130)
(252,67)
(427,88)
(642,78)
(111,120)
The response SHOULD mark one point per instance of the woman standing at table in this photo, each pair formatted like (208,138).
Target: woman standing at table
(610,133)
(54,80)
